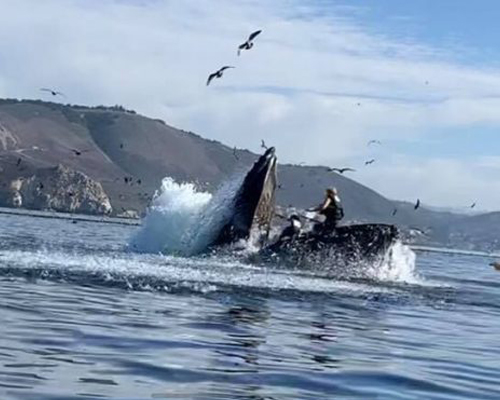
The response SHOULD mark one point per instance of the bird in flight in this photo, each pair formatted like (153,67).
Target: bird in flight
(417,204)
(79,152)
(263,144)
(374,142)
(249,43)
(18,162)
(370,161)
(473,205)
(341,170)
(394,212)
(52,92)
(217,74)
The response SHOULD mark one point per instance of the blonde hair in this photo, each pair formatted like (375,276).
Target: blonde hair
(331,192)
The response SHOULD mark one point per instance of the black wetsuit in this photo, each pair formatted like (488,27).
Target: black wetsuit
(333,214)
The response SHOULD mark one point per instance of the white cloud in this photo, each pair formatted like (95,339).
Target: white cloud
(298,88)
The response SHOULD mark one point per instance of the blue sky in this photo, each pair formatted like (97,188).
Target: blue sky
(472,25)
(324,77)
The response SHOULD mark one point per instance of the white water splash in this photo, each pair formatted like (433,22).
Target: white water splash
(183,220)
(176,208)
(168,273)
(212,218)
(398,266)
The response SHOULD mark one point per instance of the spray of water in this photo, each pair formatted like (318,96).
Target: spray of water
(212,218)
(183,220)
(398,265)
(175,210)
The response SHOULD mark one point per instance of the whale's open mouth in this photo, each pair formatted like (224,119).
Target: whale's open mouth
(254,202)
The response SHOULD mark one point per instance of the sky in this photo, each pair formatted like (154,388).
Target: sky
(324,78)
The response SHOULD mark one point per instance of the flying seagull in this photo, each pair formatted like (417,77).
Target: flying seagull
(217,74)
(263,144)
(79,152)
(340,170)
(374,142)
(18,162)
(52,92)
(370,161)
(249,43)
(394,212)
(473,205)
(417,204)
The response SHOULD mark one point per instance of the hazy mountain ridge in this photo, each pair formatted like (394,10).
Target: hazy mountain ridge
(129,154)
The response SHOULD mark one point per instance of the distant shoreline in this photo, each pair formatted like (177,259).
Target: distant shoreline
(446,250)
(73,217)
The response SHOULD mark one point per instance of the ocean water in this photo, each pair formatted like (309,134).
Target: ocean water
(84,317)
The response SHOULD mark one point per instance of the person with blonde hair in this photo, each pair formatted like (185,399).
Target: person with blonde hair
(331,209)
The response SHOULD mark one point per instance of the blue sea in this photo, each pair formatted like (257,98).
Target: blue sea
(83,317)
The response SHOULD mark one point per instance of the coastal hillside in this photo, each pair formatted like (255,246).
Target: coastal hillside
(127,155)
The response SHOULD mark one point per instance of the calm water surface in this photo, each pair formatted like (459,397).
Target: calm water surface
(84,318)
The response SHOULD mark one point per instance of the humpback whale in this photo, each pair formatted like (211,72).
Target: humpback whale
(251,216)
(253,204)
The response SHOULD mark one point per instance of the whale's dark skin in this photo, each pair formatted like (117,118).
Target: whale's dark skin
(349,242)
(254,203)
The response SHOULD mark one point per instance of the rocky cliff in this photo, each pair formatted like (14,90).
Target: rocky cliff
(60,189)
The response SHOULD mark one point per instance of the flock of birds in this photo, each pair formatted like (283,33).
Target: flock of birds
(247,45)
(371,161)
